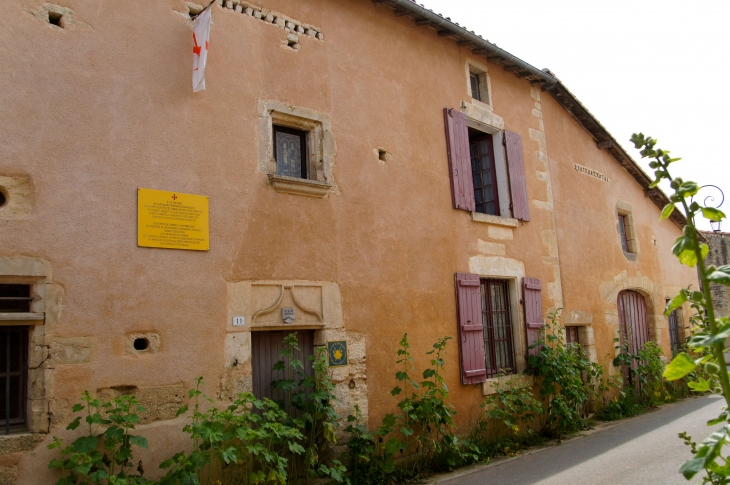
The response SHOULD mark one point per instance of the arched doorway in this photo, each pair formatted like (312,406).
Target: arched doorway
(634,328)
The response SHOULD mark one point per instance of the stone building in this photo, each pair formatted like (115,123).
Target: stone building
(719,255)
(354,171)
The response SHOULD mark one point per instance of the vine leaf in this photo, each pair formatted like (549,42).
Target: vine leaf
(680,366)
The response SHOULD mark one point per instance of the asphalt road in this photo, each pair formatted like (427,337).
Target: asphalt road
(641,450)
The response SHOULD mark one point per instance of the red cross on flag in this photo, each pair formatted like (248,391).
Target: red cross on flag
(201,34)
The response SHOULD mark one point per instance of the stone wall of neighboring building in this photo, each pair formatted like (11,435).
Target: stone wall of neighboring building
(719,255)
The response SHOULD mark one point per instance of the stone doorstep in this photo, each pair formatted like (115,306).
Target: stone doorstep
(468,470)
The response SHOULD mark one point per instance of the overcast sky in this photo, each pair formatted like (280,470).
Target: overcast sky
(658,67)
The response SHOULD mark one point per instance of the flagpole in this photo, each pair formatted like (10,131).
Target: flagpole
(211,3)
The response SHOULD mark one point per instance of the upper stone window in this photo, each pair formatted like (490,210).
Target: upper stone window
(626,231)
(478,84)
(296,149)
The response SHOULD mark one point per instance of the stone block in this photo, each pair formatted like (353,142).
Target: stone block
(73,350)
(15,443)
(141,343)
(160,402)
(8,475)
(490,248)
(500,233)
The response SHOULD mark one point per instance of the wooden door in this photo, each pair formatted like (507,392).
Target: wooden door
(633,325)
(266,351)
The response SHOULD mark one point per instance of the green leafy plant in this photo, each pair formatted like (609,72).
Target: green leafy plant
(250,433)
(104,455)
(708,343)
(567,379)
(312,398)
(512,408)
(422,432)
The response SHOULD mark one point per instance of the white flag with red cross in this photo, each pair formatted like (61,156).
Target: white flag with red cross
(201,35)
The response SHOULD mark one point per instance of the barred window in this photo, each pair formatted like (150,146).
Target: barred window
(498,330)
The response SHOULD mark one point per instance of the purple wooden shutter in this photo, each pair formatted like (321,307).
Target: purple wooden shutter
(471,329)
(533,311)
(517,182)
(457,146)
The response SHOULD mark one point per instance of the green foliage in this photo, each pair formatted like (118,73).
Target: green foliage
(512,408)
(249,433)
(104,453)
(707,344)
(422,432)
(256,441)
(312,398)
(567,380)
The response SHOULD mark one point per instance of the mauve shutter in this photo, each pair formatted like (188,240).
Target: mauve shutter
(517,182)
(471,330)
(533,311)
(457,146)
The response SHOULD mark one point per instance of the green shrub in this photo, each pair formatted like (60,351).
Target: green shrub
(566,378)
(104,454)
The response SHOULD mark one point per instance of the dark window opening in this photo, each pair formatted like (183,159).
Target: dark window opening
(55,18)
(290,152)
(13,377)
(382,155)
(484,176)
(15,298)
(475,91)
(674,338)
(571,335)
(498,332)
(266,352)
(3,199)
(622,228)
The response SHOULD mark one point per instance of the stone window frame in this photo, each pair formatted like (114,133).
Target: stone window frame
(37,274)
(321,148)
(625,209)
(485,85)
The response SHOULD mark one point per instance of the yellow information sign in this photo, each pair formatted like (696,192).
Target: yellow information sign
(172,220)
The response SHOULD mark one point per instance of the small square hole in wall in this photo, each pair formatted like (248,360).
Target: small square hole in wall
(382,155)
(55,18)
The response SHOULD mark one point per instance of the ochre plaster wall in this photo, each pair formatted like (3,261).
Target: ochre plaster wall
(90,113)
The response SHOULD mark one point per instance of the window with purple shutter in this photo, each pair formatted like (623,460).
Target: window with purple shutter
(533,312)
(457,146)
(517,181)
(471,329)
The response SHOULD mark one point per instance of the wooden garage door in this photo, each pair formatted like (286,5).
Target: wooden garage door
(266,351)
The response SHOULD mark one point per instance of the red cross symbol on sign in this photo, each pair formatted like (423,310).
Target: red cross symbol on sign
(174,197)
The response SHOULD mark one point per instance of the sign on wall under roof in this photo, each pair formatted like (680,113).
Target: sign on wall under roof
(172,220)
(591,172)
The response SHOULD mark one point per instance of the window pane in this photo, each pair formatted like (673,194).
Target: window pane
(14,298)
(482,163)
(288,154)
(475,87)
